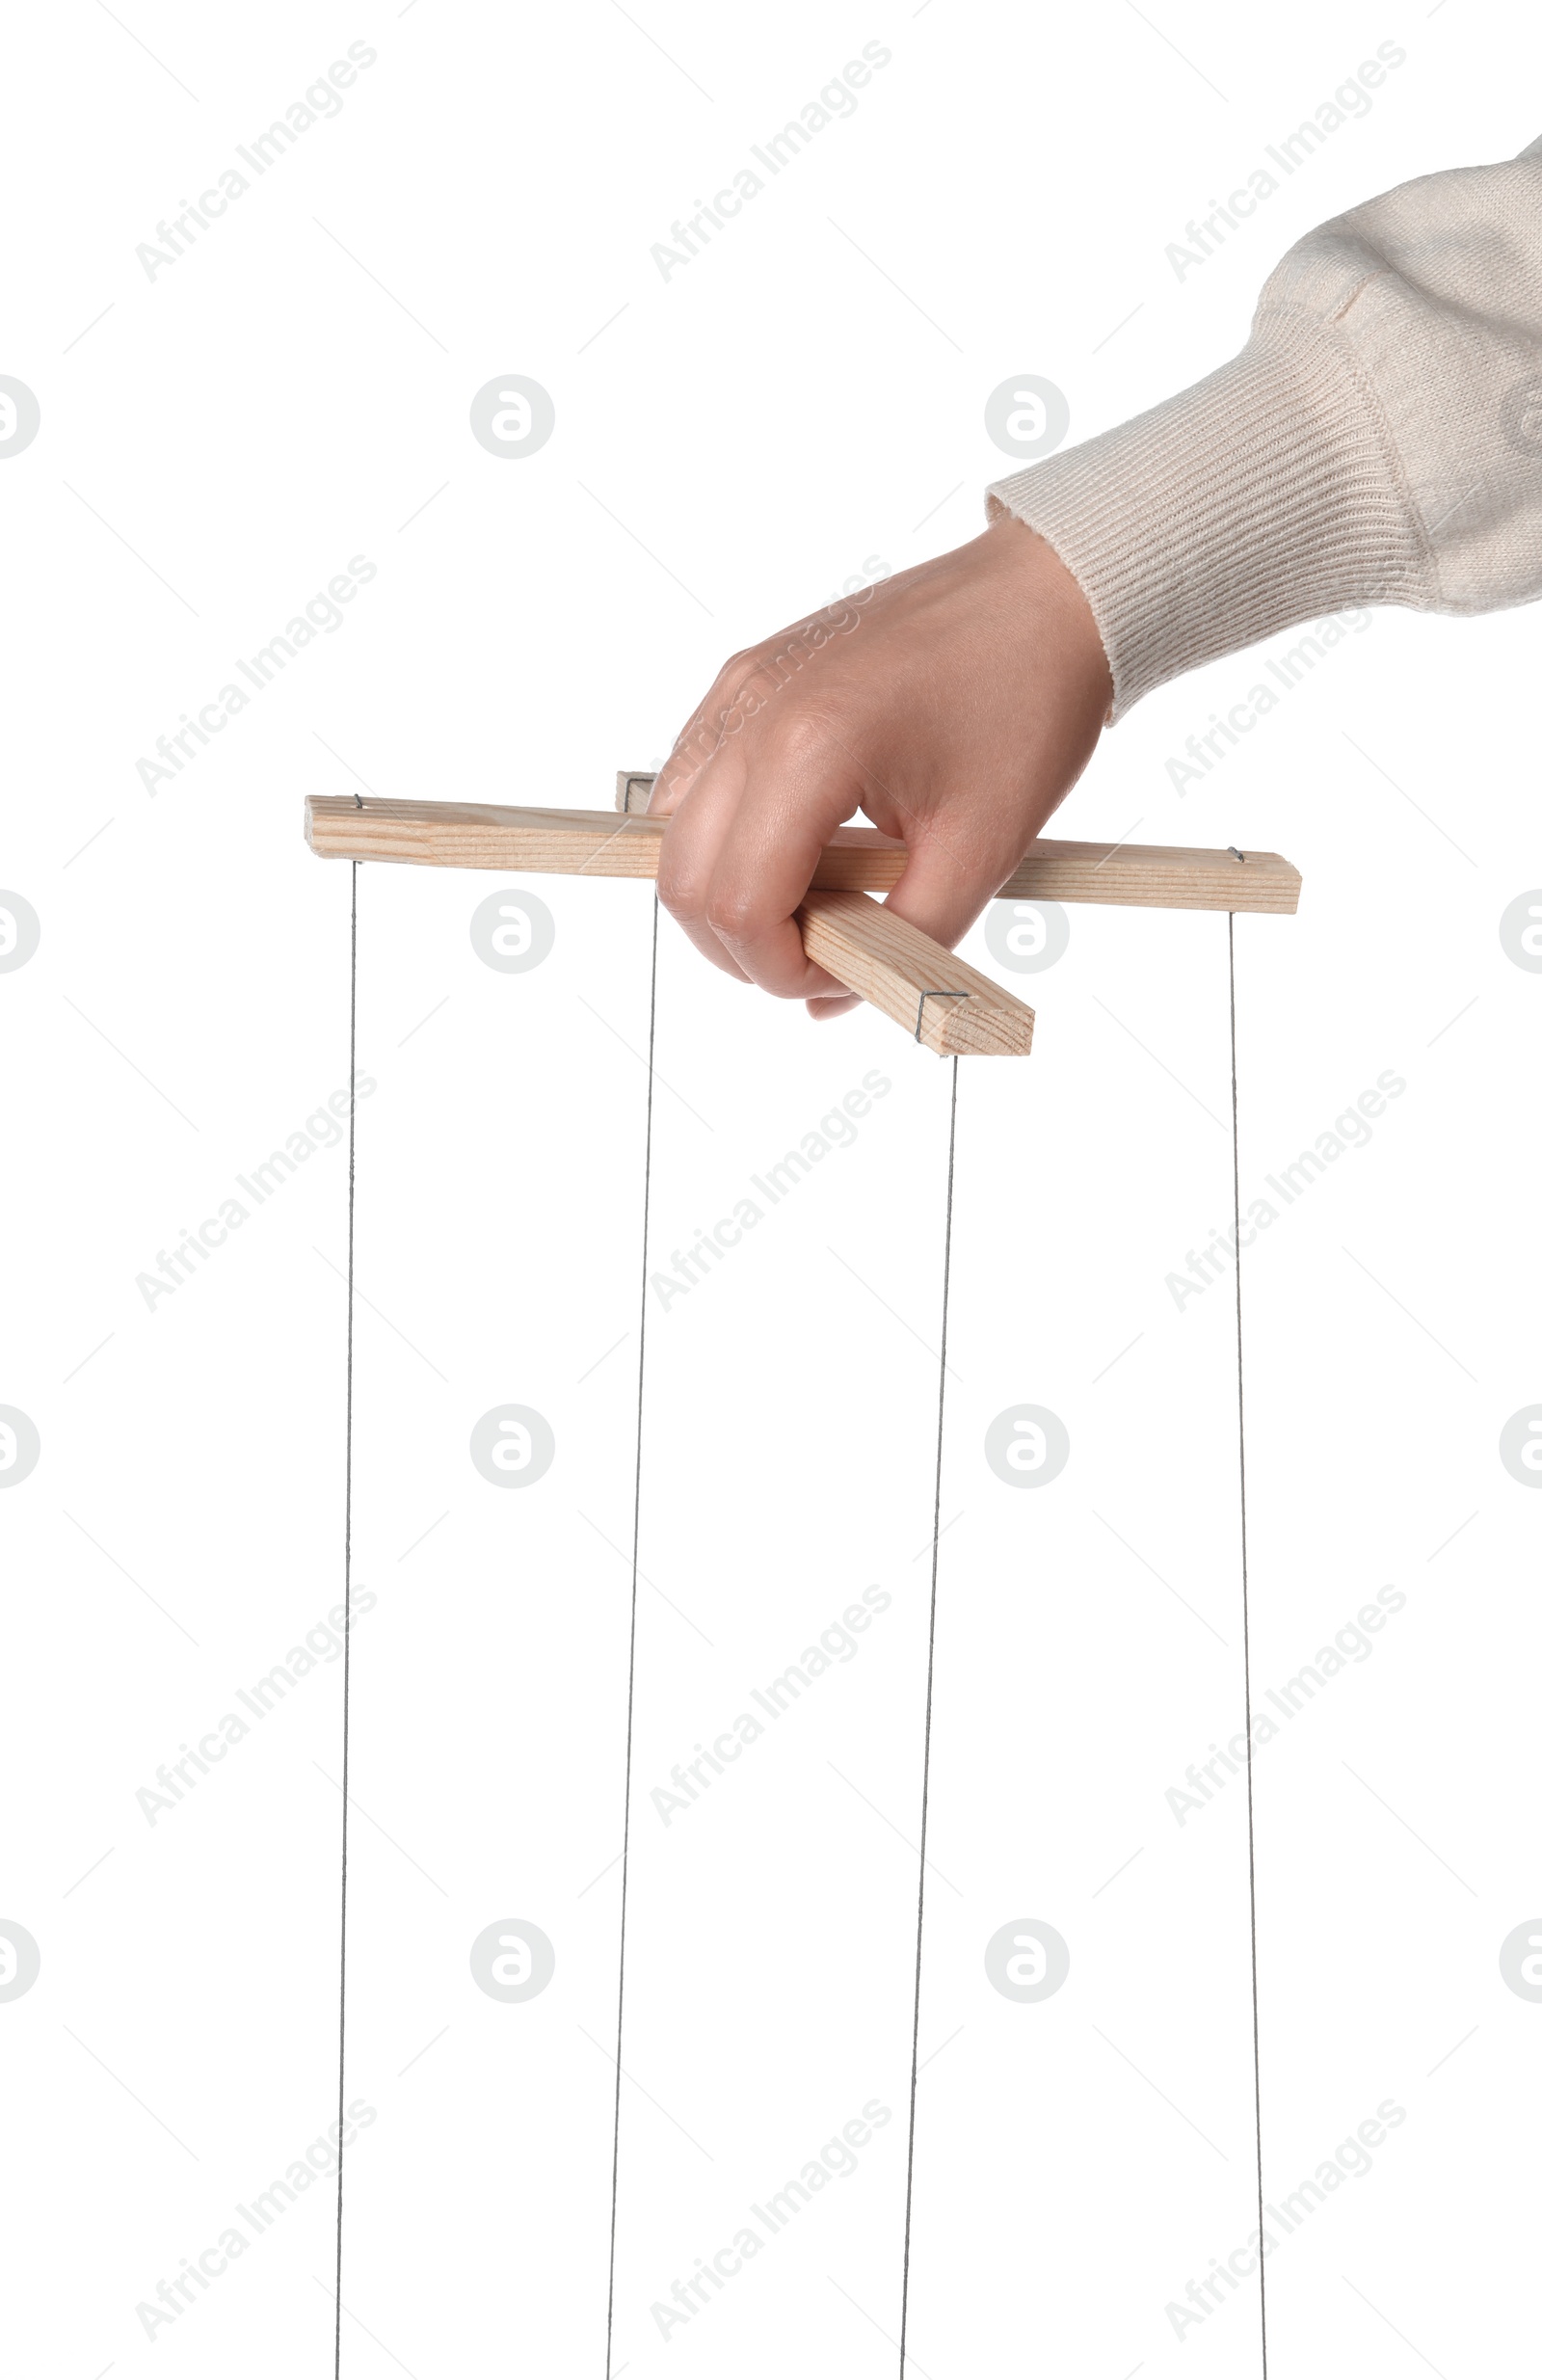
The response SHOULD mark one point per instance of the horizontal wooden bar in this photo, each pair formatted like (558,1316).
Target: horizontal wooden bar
(943,1003)
(1155,875)
(857,858)
(528,843)
(1131,876)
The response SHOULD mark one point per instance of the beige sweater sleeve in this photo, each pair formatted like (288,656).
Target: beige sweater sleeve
(1377,440)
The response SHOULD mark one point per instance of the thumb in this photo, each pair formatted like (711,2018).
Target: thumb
(941,891)
(938,895)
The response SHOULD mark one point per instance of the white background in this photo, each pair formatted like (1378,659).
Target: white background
(799,404)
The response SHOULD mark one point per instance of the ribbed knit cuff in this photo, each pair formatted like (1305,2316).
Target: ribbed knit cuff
(1267,494)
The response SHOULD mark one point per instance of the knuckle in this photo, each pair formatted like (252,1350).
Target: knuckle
(801,738)
(734,912)
(724,689)
(681,889)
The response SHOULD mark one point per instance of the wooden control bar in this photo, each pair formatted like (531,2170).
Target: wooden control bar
(947,1005)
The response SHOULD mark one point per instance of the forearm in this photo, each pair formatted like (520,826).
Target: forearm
(1379,440)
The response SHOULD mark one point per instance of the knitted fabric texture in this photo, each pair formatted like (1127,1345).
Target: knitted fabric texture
(1377,440)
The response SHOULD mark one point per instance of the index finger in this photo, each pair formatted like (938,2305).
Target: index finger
(700,739)
(798,787)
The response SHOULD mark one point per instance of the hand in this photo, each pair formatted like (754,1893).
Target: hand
(956,705)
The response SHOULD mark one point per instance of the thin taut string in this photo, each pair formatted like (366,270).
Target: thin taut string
(632,1648)
(348,1611)
(1247,1661)
(926,1734)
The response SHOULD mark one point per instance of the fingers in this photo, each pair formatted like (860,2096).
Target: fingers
(795,790)
(750,806)
(957,719)
(699,808)
(945,886)
(739,693)
(701,738)
(793,737)
(939,894)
